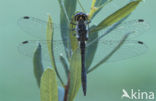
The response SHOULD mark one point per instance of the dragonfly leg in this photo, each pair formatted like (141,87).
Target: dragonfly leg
(74,34)
(86,38)
(72,23)
(88,22)
(73,29)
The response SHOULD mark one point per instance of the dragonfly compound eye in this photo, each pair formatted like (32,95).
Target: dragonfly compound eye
(81,16)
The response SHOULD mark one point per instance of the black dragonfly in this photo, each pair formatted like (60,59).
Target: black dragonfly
(108,39)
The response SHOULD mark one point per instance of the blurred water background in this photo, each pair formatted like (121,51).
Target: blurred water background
(17,82)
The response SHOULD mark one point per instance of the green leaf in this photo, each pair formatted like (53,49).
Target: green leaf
(107,32)
(64,63)
(80,4)
(70,6)
(49,35)
(73,39)
(75,75)
(118,15)
(50,46)
(111,53)
(49,88)
(100,4)
(37,62)
(65,16)
(90,51)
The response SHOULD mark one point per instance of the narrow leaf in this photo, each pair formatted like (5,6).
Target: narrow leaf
(73,39)
(50,46)
(49,88)
(104,34)
(70,7)
(111,53)
(93,41)
(63,9)
(49,34)
(75,75)
(100,2)
(118,15)
(65,66)
(90,51)
(37,62)
(80,4)
(96,8)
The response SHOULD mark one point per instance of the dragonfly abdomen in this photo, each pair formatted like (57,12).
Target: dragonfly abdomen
(83,69)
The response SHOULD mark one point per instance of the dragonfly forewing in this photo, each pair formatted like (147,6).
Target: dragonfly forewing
(37,27)
(117,32)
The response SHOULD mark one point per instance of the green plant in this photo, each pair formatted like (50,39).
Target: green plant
(47,79)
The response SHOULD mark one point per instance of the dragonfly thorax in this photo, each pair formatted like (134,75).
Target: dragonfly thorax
(81,25)
(82,31)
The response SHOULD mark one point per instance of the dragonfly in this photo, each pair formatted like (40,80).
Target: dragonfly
(108,39)
(82,36)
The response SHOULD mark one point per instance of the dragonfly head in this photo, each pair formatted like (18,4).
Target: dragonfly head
(81,16)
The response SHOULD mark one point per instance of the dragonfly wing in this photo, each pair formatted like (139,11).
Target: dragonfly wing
(33,26)
(111,37)
(37,27)
(127,50)
(28,48)
(117,32)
